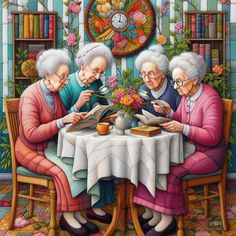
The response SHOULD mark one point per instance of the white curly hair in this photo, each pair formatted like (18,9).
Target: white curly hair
(191,63)
(155,54)
(50,60)
(91,50)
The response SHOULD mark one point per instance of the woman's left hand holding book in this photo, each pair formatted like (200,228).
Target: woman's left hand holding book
(74,117)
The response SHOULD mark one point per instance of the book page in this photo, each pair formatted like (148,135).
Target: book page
(154,120)
(142,118)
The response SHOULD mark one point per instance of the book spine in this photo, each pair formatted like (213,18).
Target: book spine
(219,26)
(189,22)
(206,26)
(46,26)
(198,25)
(202,50)
(36,26)
(21,26)
(41,26)
(193,26)
(202,26)
(210,18)
(31,26)
(215,57)
(208,56)
(212,30)
(16,26)
(26,26)
(51,26)
(196,48)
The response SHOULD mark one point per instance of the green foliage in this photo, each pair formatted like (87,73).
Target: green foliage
(21,56)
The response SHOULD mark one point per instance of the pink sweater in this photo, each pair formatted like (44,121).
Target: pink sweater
(205,119)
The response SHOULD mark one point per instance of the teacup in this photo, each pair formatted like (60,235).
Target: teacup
(103,128)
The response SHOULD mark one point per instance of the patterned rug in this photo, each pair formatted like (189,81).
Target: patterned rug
(195,223)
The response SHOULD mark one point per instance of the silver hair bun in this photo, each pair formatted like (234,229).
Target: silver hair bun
(157,48)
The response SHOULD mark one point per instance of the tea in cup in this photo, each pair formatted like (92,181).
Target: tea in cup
(103,128)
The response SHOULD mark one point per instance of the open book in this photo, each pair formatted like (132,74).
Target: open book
(92,117)
(150,119)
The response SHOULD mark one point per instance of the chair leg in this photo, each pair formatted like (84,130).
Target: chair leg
(115,215)
(180,231)
(134,212)
(206,205)
(31,202)
(222,206)
(52,195)
(14,201)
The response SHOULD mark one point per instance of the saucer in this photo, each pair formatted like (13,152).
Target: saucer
(105,133)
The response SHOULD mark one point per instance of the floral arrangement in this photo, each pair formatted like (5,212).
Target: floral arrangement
(123,92)
(218,79)
(137,27)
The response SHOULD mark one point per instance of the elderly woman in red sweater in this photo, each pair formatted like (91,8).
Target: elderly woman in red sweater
(199,118)
(41,115)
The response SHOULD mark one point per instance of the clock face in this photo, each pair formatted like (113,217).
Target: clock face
(119,21)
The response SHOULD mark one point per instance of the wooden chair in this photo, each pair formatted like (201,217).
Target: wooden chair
(218,177)
(23,175)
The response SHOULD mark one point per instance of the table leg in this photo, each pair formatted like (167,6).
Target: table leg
(123,211)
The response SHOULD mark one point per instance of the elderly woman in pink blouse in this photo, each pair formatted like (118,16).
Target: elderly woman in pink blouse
(199,118)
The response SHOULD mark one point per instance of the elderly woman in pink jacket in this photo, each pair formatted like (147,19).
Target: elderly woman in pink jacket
(199,118)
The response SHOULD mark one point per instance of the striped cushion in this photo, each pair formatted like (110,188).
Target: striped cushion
(23,171)
(186,177)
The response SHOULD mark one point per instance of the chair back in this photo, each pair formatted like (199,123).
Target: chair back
(11,109)
(227,111)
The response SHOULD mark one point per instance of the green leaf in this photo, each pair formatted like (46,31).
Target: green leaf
(231,139)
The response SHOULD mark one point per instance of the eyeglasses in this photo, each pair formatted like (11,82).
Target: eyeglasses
(62,77)
(150,75)
(179,82)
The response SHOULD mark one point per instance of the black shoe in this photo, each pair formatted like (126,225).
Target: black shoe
(146,227)
(82,231)
(91,227)
(170,229)
(142,220)
(106,219)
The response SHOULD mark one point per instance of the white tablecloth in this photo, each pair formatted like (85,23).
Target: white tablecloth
(135,157)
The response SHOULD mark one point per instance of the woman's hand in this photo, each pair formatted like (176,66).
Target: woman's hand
(110,118)
(173,126)
(161,106)
(73,117)
(84,97)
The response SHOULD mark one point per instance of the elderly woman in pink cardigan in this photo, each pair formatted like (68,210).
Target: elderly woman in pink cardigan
(41,115)
(199,118)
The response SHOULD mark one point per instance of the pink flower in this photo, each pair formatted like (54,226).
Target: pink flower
(113,85)
(74,7)
(163,10)
(112,81)
(179,27)
(9,19)
(122,43)
(167,2)
(71,40)
(118,37)
(21,222)
(138,16)
(142,38)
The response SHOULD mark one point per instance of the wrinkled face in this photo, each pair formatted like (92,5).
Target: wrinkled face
(95,70)
(60,78)
(183,84)
(152,76)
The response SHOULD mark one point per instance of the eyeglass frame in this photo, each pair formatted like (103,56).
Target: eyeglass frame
(146,74)
(62,80)
(173,82)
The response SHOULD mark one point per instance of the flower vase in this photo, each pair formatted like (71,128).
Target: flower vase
(131,121)
(120,123)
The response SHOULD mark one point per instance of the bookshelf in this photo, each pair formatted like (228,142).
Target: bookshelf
(208,35)
(32,33)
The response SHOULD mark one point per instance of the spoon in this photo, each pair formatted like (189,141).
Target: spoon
(145,96)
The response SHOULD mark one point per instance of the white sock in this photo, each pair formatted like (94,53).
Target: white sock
(147,214)
(99,211)
(155,219)
(165,221)
(79,217)
(69,217)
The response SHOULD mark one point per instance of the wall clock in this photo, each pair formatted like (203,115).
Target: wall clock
(126,26)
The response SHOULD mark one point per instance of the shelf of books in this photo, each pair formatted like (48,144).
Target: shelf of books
(207,37)
(32,32)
